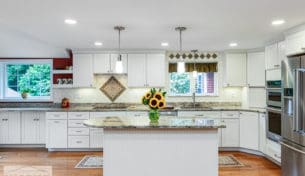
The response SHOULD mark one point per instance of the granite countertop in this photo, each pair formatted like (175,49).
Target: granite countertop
(132,108)
(165,122)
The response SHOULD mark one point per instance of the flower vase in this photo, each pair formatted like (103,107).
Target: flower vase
(154,115)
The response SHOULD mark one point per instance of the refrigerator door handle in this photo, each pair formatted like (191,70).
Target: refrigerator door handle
(292,148)
(296,87)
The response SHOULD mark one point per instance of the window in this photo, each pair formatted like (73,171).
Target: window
(32,76)
(184,84)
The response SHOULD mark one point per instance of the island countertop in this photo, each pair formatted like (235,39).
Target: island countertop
(163,123)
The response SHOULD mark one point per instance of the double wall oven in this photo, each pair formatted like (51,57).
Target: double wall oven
(274,109)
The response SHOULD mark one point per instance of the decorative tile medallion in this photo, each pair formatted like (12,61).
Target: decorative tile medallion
(112,88)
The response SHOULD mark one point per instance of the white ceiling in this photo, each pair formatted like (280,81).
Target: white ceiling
(212,24)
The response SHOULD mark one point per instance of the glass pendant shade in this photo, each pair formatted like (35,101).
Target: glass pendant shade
(195,74)
(181,67)
(119,66)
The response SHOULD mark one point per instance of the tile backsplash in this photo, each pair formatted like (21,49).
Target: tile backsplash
(133,95)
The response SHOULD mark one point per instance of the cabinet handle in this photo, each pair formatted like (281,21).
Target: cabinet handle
(56,115)
(79,142)
(78,115)
(230,115)
(276,65)
(277,156)
(4,119)
(78,123)
(78,131)
(56,122)
(137,115)
(199,115)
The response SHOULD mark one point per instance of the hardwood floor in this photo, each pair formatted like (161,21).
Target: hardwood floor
(63,163)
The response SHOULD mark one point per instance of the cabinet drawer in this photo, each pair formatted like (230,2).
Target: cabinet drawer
(199,114)
(78,142)
(249,114)
(230,114)
(78,115)
(56,115)
(273,153)
(78,131)
(76,123)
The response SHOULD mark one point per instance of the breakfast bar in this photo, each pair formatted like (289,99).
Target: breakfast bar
(173,146)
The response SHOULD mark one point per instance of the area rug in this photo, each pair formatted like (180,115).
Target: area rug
(229,161)
(97,162)
(90,162)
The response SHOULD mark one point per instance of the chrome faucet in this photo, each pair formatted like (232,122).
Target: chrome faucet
(194,99)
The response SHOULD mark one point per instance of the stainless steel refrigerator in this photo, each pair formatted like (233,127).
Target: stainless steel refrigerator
(293,116)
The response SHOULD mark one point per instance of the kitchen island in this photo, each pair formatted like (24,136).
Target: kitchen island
(174,146)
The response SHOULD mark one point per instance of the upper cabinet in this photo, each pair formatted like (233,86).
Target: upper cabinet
(146,70)
(295,43)
(83,70)
(255,69)
(105,63)
(271,57)
(235,69)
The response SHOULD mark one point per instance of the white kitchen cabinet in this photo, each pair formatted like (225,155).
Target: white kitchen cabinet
(255,69)
(33,127)
(235,69)
(295,43)
(257,97)
(56,130)
(271,57)
(273,150)
(230,134)
(10,128)
(105,63)
(146,70)
(83,70)
(249,130)
(274,74)
(281,51)
(262,133)
(96,134)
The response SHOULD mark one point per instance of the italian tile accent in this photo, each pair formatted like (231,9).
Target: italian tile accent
(112,88)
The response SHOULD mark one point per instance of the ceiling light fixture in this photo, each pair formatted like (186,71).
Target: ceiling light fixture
(181,64)
(70,21)
(233,44)
(164,44)
(98,43)
(278,22)
(119,63)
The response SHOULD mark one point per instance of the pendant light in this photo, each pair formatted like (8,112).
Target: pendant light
(119,63)
(195,70)
(181,64)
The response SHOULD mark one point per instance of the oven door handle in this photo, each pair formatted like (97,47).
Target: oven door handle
(279,111)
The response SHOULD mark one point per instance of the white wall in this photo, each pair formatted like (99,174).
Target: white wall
(14,44)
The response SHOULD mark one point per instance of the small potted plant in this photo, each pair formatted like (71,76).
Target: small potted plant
(155,100)
(25,92)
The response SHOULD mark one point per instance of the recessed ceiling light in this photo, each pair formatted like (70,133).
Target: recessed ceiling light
(233,44)
(164,44)
(70,21)
(278,22)
(98,43)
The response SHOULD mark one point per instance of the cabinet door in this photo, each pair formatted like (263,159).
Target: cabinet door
(262,133)
(10,128)
(96,138)
(295,43)
(136,70)
(57,133)
(83,70)
(271,57)
(230,134)
(101,63)
(114,58)
(155,70)
(281,51)
(255,69)
(249,130)
(29,128)
(236,69)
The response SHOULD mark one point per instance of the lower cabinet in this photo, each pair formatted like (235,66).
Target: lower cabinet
(10,128)
(249,130)
(96,138)
(262,133)
(33,127)
(230,134)
(273,150)
(56,130)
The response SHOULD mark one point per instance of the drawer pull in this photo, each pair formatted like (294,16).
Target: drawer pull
(4,119)
(78,131)
(56,115)
(79,142)
(137,115)
(56,121)
(199,115)
(78,115)
(78,123)
(277,156)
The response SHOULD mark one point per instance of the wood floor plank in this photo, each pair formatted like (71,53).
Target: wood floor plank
(63,163)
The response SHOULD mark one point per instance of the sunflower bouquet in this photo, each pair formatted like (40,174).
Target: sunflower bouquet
(155,100)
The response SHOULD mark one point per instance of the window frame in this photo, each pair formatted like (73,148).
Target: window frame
(3,79)
(216,86)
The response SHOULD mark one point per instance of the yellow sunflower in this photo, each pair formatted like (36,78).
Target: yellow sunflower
(158,95)
(153,103)
(161,104)
(148,95)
